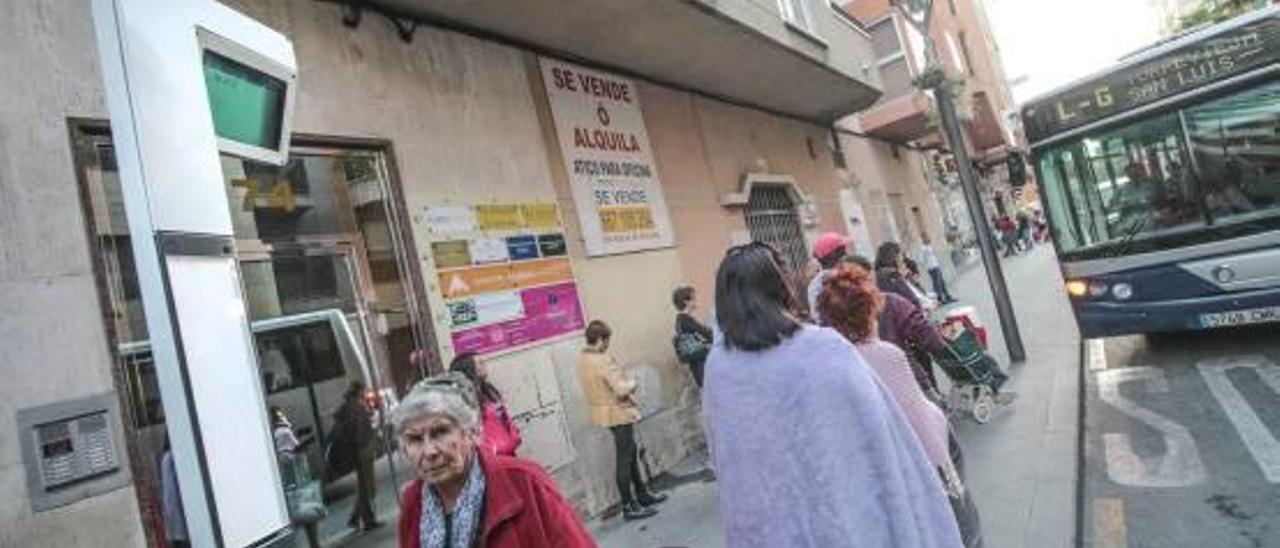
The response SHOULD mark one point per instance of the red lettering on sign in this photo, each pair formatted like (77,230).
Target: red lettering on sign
(605,140)
(600,87)
(563,79)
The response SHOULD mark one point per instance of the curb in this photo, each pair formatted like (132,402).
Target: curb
(1080,443)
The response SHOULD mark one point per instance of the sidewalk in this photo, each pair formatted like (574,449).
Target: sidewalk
(1021,465)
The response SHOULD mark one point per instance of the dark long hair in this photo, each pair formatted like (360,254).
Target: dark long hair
(888,254)
(754,303)
(486,392)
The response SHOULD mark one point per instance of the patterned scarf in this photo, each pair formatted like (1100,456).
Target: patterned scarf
(466,515)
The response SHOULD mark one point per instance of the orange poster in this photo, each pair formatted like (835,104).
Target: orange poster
(464,282)
(531,273)
(470,281)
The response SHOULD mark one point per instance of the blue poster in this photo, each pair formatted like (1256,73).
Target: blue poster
(522,247)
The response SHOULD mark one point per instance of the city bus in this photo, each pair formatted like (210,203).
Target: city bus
(1160,179)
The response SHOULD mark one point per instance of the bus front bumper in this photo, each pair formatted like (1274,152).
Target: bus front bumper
(1107,319)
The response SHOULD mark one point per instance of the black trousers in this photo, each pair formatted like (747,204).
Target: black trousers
(627,464)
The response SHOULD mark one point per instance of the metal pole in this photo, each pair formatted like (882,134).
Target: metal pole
(990,259)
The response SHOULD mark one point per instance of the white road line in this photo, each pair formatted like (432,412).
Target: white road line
(1262,444)
(1097,354)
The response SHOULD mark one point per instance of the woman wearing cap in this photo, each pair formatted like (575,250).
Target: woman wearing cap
(465,497)
(828,249)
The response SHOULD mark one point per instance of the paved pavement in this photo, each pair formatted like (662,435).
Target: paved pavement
(1021,466)
(1181,447)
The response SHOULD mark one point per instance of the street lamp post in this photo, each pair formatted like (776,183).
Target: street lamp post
(919,13)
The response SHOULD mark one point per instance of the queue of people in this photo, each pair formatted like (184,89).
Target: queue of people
(822,425)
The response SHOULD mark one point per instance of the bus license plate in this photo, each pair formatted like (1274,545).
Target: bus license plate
(1241,317)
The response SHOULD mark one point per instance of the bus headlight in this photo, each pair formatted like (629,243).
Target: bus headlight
(1122,291)
(1077,288)
(1097,289)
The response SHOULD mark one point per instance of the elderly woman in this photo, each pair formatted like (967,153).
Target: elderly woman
(810,448)
(851,304)
(464,497)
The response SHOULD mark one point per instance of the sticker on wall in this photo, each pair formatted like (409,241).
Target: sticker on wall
(488,250)
(451,253)
(548,312)
(449,219)
(522,248)
(485,309)
(552,245)
(540,215)
(497,217)
(465,282)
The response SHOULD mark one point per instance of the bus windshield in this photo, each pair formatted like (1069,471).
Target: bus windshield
(1180,177)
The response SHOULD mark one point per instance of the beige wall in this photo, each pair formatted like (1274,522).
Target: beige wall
(52,329)
(469,122)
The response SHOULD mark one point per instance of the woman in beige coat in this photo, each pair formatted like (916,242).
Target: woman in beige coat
(611,396)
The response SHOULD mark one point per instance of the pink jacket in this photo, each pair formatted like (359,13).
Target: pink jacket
(500,435)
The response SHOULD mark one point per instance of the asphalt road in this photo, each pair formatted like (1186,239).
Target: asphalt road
(1182,440)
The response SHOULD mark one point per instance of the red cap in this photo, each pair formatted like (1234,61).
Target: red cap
(828,243)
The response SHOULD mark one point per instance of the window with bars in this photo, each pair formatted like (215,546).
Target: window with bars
(772,218)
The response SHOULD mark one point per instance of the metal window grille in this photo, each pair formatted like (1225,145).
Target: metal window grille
(772,218)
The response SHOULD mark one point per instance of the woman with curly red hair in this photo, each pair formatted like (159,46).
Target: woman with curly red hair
(850,303)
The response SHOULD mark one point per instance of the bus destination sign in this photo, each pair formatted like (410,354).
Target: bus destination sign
(1234,51)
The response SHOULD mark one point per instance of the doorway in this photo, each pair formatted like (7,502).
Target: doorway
(331,289)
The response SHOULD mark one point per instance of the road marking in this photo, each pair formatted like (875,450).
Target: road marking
(1109,528)
(1097,354)
(1262,444)
(1179,466)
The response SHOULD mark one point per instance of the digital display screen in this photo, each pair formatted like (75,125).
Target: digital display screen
(1231,52)
(247,104)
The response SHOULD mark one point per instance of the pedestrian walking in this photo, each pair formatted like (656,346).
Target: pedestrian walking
(355,441)
(829,249)
(611,395)
(305,496)
(498,434)
(809,447)
(890,273)
(463,496)
(929,261)
(693,338)
(851,303)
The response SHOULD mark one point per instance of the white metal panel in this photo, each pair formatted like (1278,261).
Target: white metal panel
(1255,270)
(228,397)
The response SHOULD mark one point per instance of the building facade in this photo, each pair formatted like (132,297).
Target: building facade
(925,198)
(464,178)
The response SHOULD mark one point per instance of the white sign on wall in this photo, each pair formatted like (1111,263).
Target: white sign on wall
(606,152)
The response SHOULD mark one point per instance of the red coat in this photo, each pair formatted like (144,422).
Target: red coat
(522,509)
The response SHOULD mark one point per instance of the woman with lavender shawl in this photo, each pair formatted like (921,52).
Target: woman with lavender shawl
(808,445)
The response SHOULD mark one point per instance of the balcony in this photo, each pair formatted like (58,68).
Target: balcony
(740,50)
(902,119)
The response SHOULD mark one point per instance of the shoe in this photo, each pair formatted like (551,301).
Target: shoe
(650,499)
(635,511)
(353,523)
(371,526)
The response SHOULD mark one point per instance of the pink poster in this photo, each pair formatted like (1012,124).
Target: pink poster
(548,311)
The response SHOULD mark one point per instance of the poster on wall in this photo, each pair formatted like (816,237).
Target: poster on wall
(503,274)
(606,151)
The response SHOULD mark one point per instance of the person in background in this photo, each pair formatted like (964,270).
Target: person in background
(809,447)
(1024,231)
(353,422)
(687,325)
(911,273)
(498,434)
(929,260)
(829,249)
(1007,228)
(466,497)
(611,396)
(175,518)
(287,450)
(890,272)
